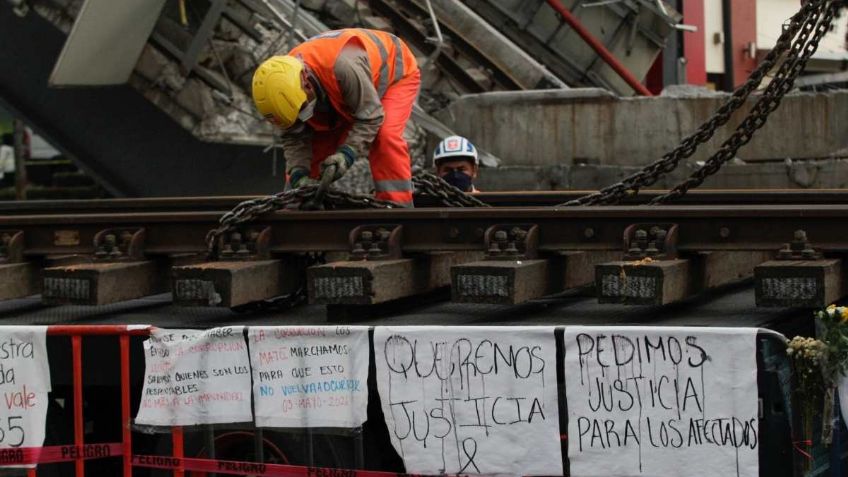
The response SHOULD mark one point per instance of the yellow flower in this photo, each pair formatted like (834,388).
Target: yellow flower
(843,314)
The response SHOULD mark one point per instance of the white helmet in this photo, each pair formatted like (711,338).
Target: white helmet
(455,148)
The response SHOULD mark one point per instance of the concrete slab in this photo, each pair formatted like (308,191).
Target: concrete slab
(101,283)
(567,128)
(230,284)
(812,174)
(799,283)
(660,282)
(380,281)
(18,280)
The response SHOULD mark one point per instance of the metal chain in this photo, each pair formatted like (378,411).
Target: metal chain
(247,211)
(770,100)
(250,210)
(430,185)
(804,20)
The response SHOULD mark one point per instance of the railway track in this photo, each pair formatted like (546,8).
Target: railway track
(497,199)
(107,252)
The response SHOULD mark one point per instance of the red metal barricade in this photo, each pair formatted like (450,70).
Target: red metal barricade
(79,451)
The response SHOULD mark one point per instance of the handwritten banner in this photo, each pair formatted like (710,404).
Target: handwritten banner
(470,400)
(309,376)
(25,385)
(195,377)
(652,401)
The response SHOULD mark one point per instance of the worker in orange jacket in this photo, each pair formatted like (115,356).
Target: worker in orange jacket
(338,96)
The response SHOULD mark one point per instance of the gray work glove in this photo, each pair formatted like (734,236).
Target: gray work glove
(342,159)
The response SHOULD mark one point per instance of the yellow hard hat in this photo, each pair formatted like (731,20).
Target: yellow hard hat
(277,90)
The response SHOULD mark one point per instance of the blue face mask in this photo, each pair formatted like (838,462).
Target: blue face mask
(460,180)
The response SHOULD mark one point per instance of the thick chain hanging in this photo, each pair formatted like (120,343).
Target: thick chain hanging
(804,20)
(779,86)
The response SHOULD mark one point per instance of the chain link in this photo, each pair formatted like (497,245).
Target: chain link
(430,185)
(425,184)
(803,22)
(249,210)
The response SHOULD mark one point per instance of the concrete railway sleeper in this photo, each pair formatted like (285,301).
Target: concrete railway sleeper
(636,255)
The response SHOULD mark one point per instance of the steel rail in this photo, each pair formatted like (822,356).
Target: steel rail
(497,199)
(701,228)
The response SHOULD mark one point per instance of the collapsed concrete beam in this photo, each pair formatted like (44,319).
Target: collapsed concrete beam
(233,283)
(589,122)
(799,175)
(799,283)
(491,43)
(660,282)
(379,281)
(101,283)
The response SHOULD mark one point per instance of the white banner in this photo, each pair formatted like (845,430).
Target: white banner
(653,401)
(25,385)
(471,400)
(195,377)
(309,376)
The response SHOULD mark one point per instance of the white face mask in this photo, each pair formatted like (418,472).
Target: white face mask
(308,111)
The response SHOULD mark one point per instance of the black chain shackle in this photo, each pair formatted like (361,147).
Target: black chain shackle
(814,16)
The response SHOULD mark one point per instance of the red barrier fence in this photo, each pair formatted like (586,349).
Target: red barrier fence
(79,451)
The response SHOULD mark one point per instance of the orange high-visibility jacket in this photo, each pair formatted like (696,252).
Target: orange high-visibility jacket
(389,57)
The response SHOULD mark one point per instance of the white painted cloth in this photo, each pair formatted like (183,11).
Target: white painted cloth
(310,376)
(471,400)
(25,386)
(653,401)
(195,377)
